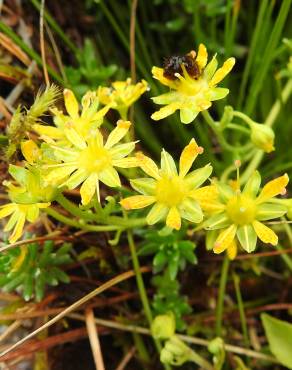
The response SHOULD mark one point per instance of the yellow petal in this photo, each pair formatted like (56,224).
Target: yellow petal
(232,250)
(188,155)
(202,56)
(118,133)
(129,162)
(58,175)
(173,219)
(49,131)
(7,209)
(207,196)
(73,136)
(71,103)
(158,75)
(17,232)
(105,95)
(266,234)
(225,238)
(148,165)
(222,72)
(43,205)
(101,113)
(30,151)
(137,201)
(273,188)
(165,111)
(88,188)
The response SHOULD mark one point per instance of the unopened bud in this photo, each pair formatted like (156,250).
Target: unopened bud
(163,326)
(263,137)
(175,352)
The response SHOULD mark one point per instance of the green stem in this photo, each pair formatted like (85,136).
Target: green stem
(285,257)
(79,225)
(244,117)
(114,221)
(141,286)
(73,209)
(215,127)
(221,294)
(236,281)
(30,52)
(139,279)
(197,359)
(235,127)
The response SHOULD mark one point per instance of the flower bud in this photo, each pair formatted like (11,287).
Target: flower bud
(263,137)
(163,326)
(216,346)
(175,352)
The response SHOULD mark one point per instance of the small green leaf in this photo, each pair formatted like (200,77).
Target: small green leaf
(159,259)
(279,335)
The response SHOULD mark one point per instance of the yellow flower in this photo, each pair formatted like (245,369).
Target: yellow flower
(192,95)
(237,214)
(27,197)
(174,194)
(18,214)
(84,123)
(122,94)
(89,160)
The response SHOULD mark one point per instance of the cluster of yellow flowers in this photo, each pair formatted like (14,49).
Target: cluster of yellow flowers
(74,152)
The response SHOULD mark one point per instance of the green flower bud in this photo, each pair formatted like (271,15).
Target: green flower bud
(216,346)
(263,137)
(175,352)
(163,326)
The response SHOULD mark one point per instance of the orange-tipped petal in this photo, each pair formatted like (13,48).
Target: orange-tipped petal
(173,219)
(188,155)
(225,238)
(266,234)
(148,165)
(273,188)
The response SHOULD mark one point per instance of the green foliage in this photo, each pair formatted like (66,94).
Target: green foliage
(279,334)
(23,120)
(30,268)
(168,299)
(90,73)
(171,250)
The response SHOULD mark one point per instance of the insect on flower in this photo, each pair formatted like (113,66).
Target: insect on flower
(173,65)
(192,82)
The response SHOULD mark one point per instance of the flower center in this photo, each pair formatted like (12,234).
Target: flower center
(170,191)
(192,87)
(94,159)
(241,210)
